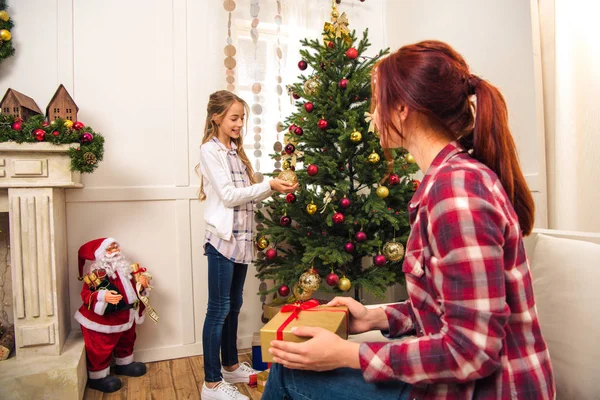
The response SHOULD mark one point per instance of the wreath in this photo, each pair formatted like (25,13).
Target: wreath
(6,24)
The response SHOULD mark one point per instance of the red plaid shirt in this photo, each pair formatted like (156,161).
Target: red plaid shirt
(470,301)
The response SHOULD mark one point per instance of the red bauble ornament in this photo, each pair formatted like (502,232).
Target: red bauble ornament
(394,179)
(323,124)
(296,96)
(285,220)
(302,65)
(284,290)
(379,260)
(360,236)
(416,184)
(45,124)
(345,202)
(330,45)
(309,107)
(298,131)
(290,198)
(271,254)
(343,83)
(17,125)
(312,169)
(39,134)
(86,137)
(349,247)
(78,125)
(290,148)
(352,53)
(332,279)
(292,127)
(56,133)
(338,218)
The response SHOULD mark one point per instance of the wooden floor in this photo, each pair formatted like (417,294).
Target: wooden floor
(169,380)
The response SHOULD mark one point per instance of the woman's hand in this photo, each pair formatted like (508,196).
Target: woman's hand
(362,319)
(112,297)
(282,186)
(323,352)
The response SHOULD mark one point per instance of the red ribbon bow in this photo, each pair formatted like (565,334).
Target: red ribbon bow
(295,310)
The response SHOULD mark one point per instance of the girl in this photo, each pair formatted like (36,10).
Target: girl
(228,186)
(471,307)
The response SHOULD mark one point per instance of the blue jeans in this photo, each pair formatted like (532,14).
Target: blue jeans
(225,289)
(342,383)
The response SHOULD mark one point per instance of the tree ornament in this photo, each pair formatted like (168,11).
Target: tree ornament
(271,254)
(393,251)
(323,124)
(311,209)
(416,184)
(5,35)
(4,16)
(309,107)
(289,148)
(39,134)
(45,124)
(302,65)
(360,236)
(295,95)
(349,247)
(56,133)
(290,198)
(311,86)
(355,137)
(285,164)
(394,179)
(289,176)
(312,169)
(332,279)
(284,290)
(379,260)
(86,137)
(285,220)
(262,243)
(310,281)
(298,131)
(344,284)
(345,202)
(301,294)
(373,158)
(352,53)
(383,192)
(78,125)
(330,45)
(343,83)
(68,124)
(338,218)
(409,158)
(17,125)
(291,128)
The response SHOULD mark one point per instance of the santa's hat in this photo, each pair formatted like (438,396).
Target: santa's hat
(92,251)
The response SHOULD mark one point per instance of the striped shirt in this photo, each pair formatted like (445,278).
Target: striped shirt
(240,248)
(471,301)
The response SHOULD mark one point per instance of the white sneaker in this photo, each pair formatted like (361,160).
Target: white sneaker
(223,391)
(240,375)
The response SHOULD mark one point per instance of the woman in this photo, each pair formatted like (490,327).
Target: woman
(471,305)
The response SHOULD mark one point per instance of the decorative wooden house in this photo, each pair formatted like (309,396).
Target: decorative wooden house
(62,106)
(19,105)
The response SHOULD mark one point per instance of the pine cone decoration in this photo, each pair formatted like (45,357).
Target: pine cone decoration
(90,158)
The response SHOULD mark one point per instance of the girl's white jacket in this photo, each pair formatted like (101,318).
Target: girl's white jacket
(221,194)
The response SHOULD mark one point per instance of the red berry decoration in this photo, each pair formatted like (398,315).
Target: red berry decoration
(290,148)
(345,202)
(290,198)
(285,220)
(323,124)
(349,247)
(296,96)
(284,290)
(78,125)
(352,53)
(302,65)
(298,131)
(39,134)
(17,125)
(271,254)
(330,45)
(332,279)
(312,169)
(86,137)
(416,184)
(343,83)
(394,179)
(379,260)
(360,236)
(338,218)
(292,127)
(309,107)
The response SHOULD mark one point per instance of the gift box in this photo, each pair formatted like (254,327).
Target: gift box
(261,380)
(257,362)
(309,313)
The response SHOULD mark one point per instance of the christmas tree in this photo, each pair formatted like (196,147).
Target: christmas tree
(348,220)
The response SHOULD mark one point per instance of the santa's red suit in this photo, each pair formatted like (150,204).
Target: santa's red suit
(107,332)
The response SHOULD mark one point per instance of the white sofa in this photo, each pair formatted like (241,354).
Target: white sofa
(566,279)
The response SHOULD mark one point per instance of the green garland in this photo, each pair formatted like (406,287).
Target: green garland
(84,158)
(6,47)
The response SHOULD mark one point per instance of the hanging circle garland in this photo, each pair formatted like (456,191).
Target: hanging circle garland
(6,25)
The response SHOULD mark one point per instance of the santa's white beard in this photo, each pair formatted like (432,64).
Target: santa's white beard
(113,264)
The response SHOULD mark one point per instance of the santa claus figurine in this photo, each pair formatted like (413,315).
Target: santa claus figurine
(111,309)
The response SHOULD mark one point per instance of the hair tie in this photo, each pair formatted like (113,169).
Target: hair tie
(473,82)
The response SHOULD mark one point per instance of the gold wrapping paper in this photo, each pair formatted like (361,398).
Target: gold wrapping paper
(261,380)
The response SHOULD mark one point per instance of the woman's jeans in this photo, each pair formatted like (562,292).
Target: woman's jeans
(225,288)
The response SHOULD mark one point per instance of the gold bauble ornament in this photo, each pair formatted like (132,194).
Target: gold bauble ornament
(374,158)
(289,176)
(393,251)
(311,209)
(355,137)
(5,35)
(301,294)
(285,165)
(262,243)
(4,16)
(311,86)
(409,158)
(310,280)
(344,284)
(68,124)
(335,13)
(383,192)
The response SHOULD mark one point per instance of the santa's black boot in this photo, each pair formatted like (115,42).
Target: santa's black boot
(108,384)
(134,369)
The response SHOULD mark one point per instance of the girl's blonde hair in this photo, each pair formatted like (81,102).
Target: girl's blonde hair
(219,103)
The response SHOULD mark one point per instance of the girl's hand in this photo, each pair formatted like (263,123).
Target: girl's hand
(362,319)
(282,186)
(323,352)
